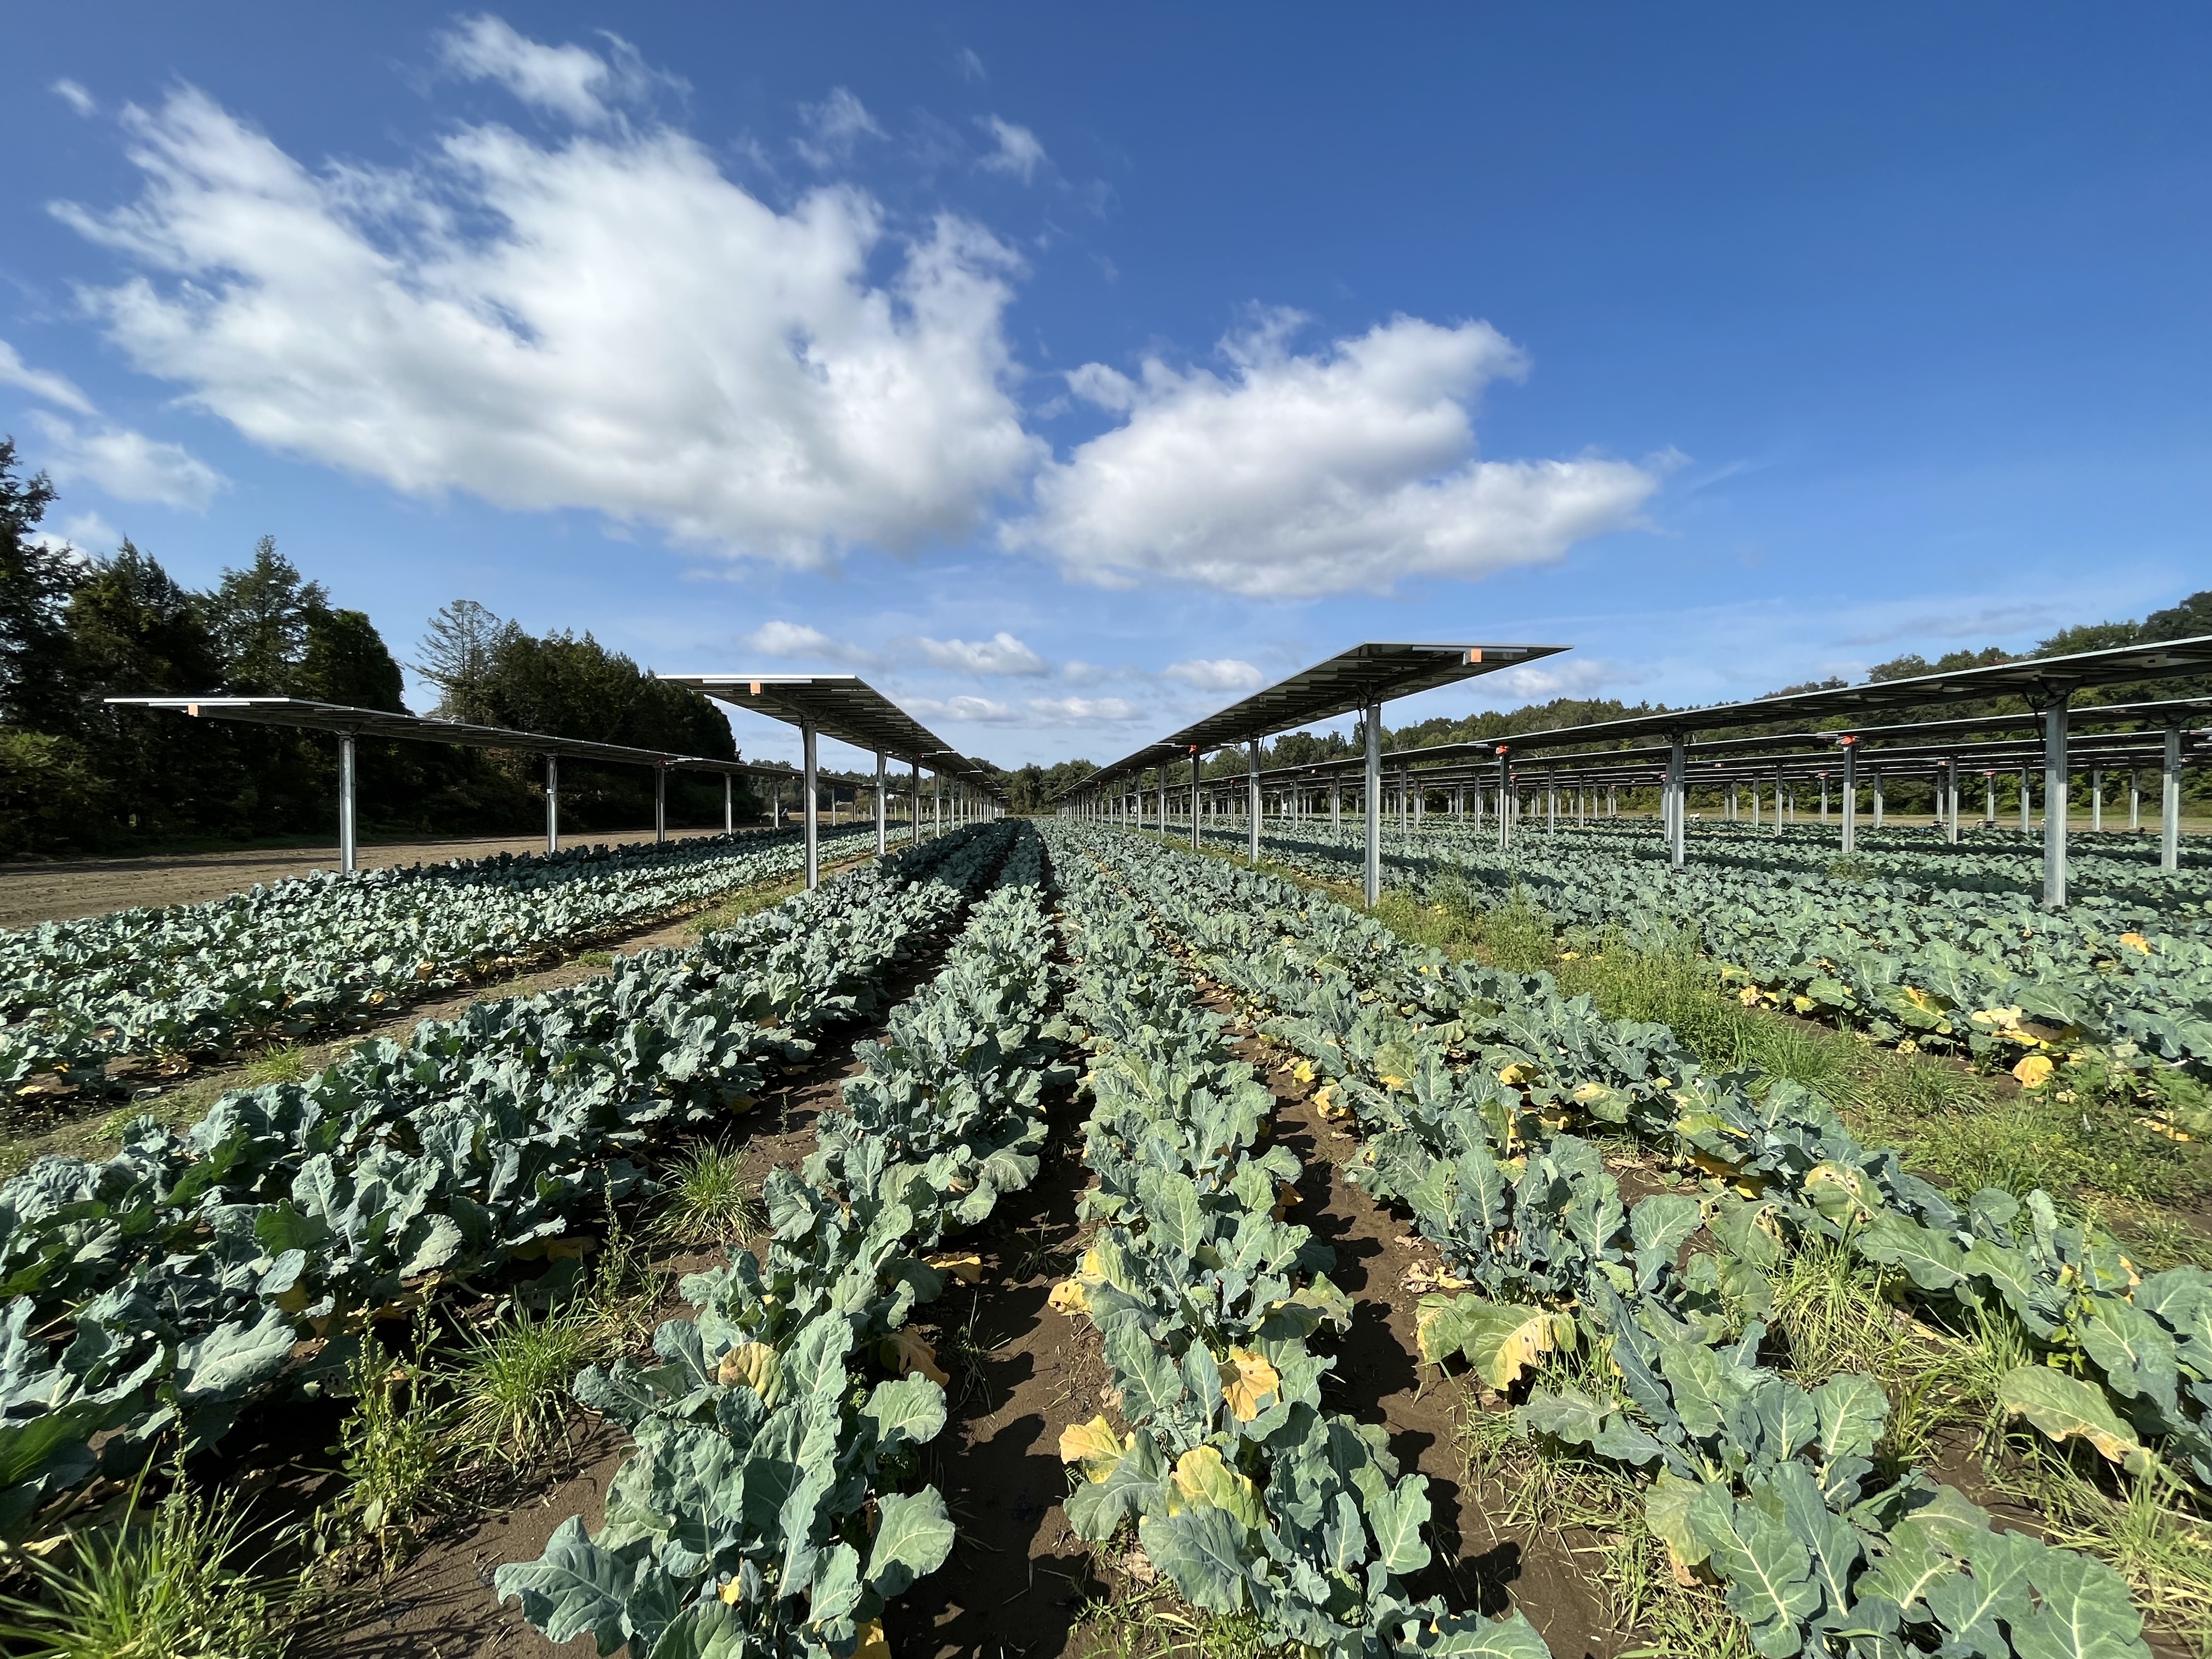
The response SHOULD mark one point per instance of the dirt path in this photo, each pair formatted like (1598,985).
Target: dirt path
(1021,1372)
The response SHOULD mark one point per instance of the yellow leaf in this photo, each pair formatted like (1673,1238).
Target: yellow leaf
(907,1353)
(1201,1480)
(1390,1082)
(872,1645)
(728,1595)
(1091,1445)
(2136,942)
(1804,1004)
(2033,1072)
(1250,1379)
(1515,1074)
(1748,996)
(1284,1197)
(1070,1296)
(968,1269)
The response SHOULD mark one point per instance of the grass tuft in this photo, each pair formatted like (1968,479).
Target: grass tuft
(710,1201)
(511,1382)
(191,1580)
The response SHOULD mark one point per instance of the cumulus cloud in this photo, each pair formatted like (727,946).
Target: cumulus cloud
(1539,682)
(1216,674)
(39,383)
(1016,151)
(980,710)
(567,81)
(127,464)
(608,324)
(73,93)
(1081,711)
(78,532)
(786,639)
(1002,653)
(835,124)
(1292,476)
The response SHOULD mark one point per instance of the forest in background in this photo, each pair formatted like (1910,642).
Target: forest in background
(77,776)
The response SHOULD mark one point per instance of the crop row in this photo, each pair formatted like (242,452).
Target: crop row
(1469,1085)
(762,1510)
(1990,974)
(92,1005)
(1246,1493)
(163,1289)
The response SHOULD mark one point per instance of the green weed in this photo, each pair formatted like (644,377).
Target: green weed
(511,1382)
(191,1580)
(287,1062)
(400,1455)
(710,1201)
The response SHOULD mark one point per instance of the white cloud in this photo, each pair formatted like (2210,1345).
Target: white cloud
(79,530)
(784,639)
(39,383)
(565,81)
(1216,674)
(73,93)
(1076,671)
(981,710)
(1018,154)
(609,325)
(1002,653)
(127,464)
(969,64)
(1081,711)
(1294,475)
(1540,682)
(838,122)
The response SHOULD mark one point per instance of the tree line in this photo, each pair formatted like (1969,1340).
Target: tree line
(76,775)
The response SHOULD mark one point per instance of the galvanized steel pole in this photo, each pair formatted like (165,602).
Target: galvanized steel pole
(1851,795)
(1253,800)
(660,802)
(1371,863)
(882,843)
(813,807)
(2169,823)
(1193,799)
(346,849)
(1678,837)
(552,803)
(2054,804)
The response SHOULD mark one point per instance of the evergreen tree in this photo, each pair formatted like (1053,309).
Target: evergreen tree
(258,618)
(35,581)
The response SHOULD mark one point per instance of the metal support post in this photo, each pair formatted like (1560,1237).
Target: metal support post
(1372,862)
(2054,804)
(1824,797)
(1253,798)
(1196,805)
(1990,812)
(2096,798)
(814,806)
(1677,835)
(1851,796)
(883,839)
(2025,800)
(660,802)
(2135,799)
(1877,800)
(913,802)
(346,849)
(729,823)
(1505,800)
(552,803)
(2169,805)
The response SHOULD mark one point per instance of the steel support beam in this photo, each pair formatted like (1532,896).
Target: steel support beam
(813,806)
(729,822)
(883,837)
(1253,797)
(1371,861)
(347,850)
(2169,804)
(660,802)
(552,803)
(1677,831)
(2054,804)
(1850,797)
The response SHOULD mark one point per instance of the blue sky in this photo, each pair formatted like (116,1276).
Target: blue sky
(1066,371)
